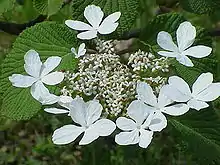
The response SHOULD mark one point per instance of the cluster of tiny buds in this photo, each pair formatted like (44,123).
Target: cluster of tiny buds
(105,46)
(102,75)
(141,61)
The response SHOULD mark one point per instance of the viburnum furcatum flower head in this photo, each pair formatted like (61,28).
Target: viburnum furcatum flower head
(186,34)
(133,92)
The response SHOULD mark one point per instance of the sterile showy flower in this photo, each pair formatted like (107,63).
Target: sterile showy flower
(162,104)
(186,34)
(63,101)
(94,15)
(81,51)
(87,115)
(203,90)
(38,73)
(139,129)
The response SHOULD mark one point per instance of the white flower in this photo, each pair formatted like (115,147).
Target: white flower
(38,74)
(87,115)
(94,15)
(203,90)
(186,34)
(140,129)
(162,104)
(81,51)
(63,101)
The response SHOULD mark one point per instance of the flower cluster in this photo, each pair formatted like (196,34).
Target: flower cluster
(136,93)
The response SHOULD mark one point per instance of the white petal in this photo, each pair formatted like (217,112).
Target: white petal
(138,111)
(209,94)
(202,82)
(182,59)
(199,51)
(145,94)
(127,138)
(65,101)
(32,63)
(186,34)
(94,15)
(145,138)
(56,110)
(125,124)
(178,89)
(82,49)
(50,64)
(176,110)
(82,53)
(78,111)
(158,122)
(73,50)
(78,25)
(94,110)
(168,54)
(163,99)
(22,81)
(88,137)
(196,104)
(66,134)
(39,91)
(53,78)
(109,24)
(165,41)
(48,99)
(87,35)
(104,127)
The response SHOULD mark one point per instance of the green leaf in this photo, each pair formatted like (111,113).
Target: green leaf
(48,7)
(200,6)
(49,39)
(128,8)
(201,131)
(6,5)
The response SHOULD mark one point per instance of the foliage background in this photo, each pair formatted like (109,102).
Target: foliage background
(29,142)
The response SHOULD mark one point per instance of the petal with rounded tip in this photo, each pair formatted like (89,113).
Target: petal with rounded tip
(22,81)
(32,63)
(211,93)
(50,64)
(56,110)
(126,124)
(127,138)
(202,82)
(78,111)
(182,59)
(88,35)
(158,122)
(165,41)
(94,15)
(186,34)
(53,78)
(198,51)
(168,54)
(78,25)
(138,111)
(94,111)
(66,134)
(145,138)
(176,110)
(196,104)
(145,94)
